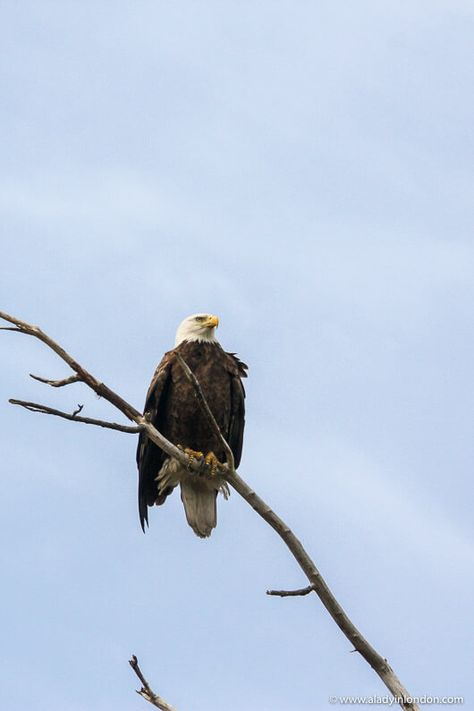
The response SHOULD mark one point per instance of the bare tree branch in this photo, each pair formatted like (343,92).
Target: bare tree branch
(317,583)
(292,593)
(146,692)
(100,388)
(376,661)
(103,391)
(57,383)
(36,407)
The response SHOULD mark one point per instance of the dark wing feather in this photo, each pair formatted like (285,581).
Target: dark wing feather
(235,434)
(150,457)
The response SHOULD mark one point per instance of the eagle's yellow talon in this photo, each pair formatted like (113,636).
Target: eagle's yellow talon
(212,461)
(191,454)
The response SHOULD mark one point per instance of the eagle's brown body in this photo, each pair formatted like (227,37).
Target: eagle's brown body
(173,408)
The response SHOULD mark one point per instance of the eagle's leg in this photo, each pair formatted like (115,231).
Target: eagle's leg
(212,461)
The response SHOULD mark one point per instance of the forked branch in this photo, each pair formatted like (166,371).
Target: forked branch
(316,581)
(36,407)
(146,692)
(100,389)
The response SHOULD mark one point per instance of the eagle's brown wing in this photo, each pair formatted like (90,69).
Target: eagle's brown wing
(235,434)
(150,457)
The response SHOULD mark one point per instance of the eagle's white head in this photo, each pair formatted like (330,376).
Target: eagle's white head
(198,327)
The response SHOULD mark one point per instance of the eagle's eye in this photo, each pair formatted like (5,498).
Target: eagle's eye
(200,319)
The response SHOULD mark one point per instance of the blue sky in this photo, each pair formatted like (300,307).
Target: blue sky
(304,171)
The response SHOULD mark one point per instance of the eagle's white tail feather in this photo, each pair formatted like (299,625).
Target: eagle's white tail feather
(199,500)
(198,494)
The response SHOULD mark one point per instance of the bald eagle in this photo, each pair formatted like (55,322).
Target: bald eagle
(172,407)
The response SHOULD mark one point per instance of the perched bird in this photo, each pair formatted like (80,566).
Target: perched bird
(172,407)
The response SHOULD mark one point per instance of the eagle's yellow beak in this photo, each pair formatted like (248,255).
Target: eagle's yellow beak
(212,322)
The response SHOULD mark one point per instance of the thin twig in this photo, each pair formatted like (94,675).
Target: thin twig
(57,383)
(292,593)
(376,661)
(36,407)
(146,691)
(205,407)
